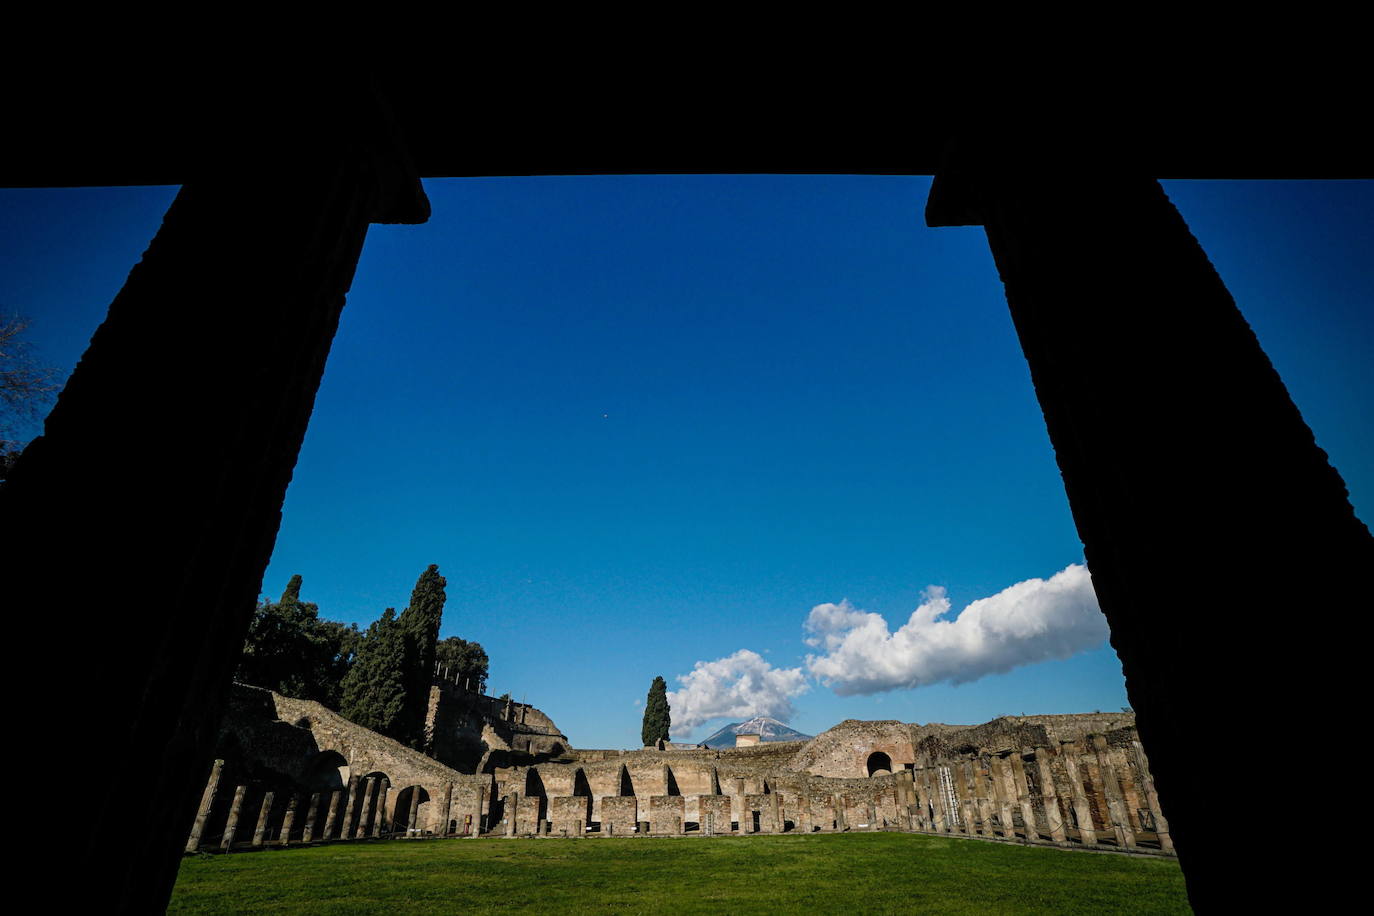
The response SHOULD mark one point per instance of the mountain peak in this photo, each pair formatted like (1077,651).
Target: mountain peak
(766,727)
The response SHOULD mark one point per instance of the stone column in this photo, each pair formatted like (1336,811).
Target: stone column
(207,801)
(380,827)
(264,812)
(367,806)
(512,807)
(922,786)
(481,811)
(1121,821)
(983,794)
(1087,831)
(963,785)
(448,809)
(737,805)
(775,806)
(1002,793)
(1147,785)
(248,271)
(331,813)
(839,813)
(233,825)
(1023,798)
(312,816)
(413,821)
(1200,454)
(1050,796)
(289,819)
(350,805)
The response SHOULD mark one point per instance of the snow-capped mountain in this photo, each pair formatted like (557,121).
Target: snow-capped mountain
(767,729)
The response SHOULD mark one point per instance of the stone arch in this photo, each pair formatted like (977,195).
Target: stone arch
(879,764)
(670,781)
(410,809)
(326,771)
(627,785)
(580,784)
(534,783)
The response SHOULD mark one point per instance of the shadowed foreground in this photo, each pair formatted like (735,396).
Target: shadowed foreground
(870,872)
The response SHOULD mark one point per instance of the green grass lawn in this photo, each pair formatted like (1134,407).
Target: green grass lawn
(849,873)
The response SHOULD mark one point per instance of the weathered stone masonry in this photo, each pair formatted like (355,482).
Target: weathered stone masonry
(295,772)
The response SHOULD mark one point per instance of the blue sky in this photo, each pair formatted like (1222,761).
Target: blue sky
(646,422)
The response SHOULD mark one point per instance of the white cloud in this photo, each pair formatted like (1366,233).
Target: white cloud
(1032,621)
(739,686)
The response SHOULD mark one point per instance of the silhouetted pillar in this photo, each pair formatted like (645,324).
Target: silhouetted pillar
(312,817)
(1049,795)
(209,359)
(207,801)
(1175,438)
(289,820)
(232,826)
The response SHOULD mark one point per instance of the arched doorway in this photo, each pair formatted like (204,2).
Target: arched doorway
(879,764)
(409,812)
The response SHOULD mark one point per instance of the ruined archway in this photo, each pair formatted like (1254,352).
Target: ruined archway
(580,784)
(879,764)
(534,783)
(411,804)
(326,772)
(627,786)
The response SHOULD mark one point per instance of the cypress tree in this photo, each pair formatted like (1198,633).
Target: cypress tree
(374,691)
(420,624)
(657,717)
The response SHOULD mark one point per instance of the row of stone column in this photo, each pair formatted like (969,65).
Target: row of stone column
(666,814)
(1103,785)
(359,811)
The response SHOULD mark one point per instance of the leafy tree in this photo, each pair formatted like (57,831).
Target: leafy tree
(374,692)
(289,649)
(419,623)
(463,661)
(657,717)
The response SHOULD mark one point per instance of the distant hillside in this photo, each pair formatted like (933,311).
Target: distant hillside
(767,729)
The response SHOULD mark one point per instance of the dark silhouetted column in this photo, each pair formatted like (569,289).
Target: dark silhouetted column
(176,437)
(1185,462)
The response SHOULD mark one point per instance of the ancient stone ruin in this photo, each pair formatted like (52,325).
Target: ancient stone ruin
(293,772)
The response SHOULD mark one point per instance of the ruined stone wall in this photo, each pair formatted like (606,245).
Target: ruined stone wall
(1067,780)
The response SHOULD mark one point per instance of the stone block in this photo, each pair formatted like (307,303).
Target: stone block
(666,814)
(530,813)
(619,814)
(569,814)
(716,807)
